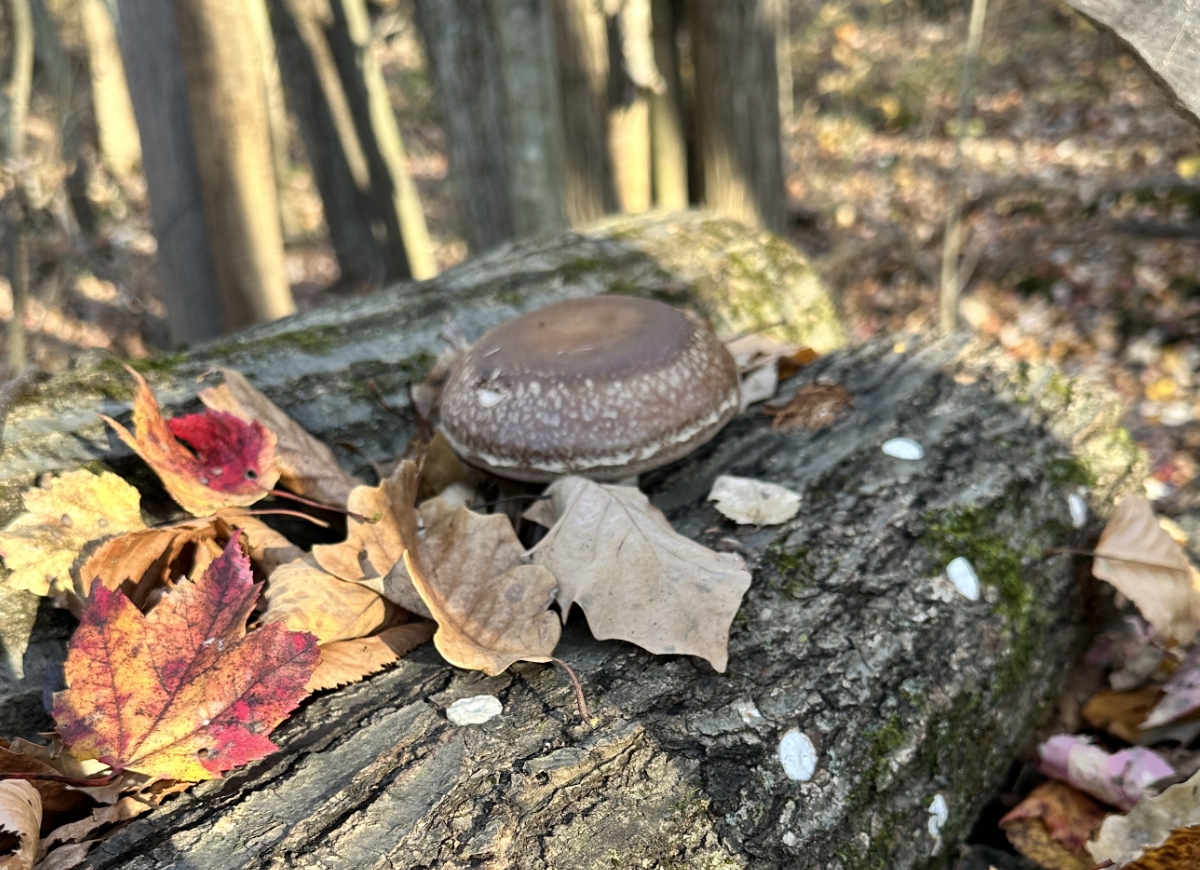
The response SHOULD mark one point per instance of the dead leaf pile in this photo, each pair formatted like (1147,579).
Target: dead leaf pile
(199,636)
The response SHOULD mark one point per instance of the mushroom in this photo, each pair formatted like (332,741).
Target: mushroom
(606,386)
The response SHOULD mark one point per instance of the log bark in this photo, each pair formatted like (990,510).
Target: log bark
(1165,35)
(849,635)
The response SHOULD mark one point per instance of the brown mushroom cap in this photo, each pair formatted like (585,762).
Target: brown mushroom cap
(607,387)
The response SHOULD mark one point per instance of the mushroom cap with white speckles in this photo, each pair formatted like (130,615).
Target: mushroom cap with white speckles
(606,387)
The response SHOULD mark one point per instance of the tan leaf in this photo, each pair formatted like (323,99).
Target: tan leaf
(307,598)
(348,661)
(1121,713)
(141,561)
(371,553)
(1141,560)
(753,502)
(440,467)
(634,576)
(267,548)
(307,466)
(60,519)
(1153,822)
(1032,839)
(1070,816)
(490,607)
(20,814)
(75,838)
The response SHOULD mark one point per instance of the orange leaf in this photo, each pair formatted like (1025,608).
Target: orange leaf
(183,692)
(230,462)
(1182,849)
(1070,816)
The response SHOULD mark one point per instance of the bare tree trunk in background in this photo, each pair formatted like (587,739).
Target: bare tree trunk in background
(277,119)
(16,106)
(465,59)
(339,98)
(668,143)
(633,77)
(535,128)
(391,193)
(116,126)
(223,76)
(155,74)
(737,108)
(581,45)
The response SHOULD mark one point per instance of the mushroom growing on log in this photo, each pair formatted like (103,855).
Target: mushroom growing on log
(606,387)
(851,642)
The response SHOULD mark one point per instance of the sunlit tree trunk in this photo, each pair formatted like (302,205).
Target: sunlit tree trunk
(581,46)
(223,76)
(668,143)
(116,126)
(16,111)
(633,77)
(737,108)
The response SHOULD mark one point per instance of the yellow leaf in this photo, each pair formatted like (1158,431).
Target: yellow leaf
(41,544)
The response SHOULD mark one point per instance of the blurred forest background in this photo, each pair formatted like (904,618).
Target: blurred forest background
(295,151)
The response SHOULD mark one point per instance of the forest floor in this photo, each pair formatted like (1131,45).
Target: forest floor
(1082,241)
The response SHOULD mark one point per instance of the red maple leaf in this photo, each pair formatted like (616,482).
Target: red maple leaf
(206,461)
(183,692)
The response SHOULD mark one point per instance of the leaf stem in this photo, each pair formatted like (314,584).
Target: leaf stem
(1058,551)
(579,699)
(283,493)
(283,512)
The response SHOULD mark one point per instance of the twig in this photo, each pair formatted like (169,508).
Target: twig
(579,700)
(952,242)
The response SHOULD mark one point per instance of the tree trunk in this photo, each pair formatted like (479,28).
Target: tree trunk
(155,74)
(668,143)
(536,153)
(223,76)
(581,46)
(737,108)
(17,93)
(850,639)
(465,59)
(633,76)
(1165,35)
(116,127)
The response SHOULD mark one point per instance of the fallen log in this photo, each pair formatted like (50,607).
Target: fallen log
(864,691)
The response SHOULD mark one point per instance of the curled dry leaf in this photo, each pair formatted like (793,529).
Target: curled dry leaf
(634,576)
(373,549)
(490,607)
(57,798)
(60,519)
(1149,825)
(183,692)
(20,814)
(307,466)
(1120,778)
(226,462)
(348,661)
(753,502)
(1121,713)
(1142,561)
(814,406)
(1052,825)
(67,845)
(307,598)
(267,548)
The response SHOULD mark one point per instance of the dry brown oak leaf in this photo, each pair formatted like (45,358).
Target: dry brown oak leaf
(308,598)
(1137,556)
(183,692)
(206,461)
(635,577)
(490,606)
(373,550)
(307,466)
(348,661)
(60,519)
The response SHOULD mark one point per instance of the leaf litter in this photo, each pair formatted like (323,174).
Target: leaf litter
(197,638)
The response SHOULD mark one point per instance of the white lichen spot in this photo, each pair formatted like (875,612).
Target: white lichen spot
(474,711)
(798,755)
(903,448)
(748,712)
(1079,510)
(489,398)
(938,813)
(963,576)
(789,839)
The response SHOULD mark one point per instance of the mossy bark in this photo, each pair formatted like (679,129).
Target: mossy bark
(850,633)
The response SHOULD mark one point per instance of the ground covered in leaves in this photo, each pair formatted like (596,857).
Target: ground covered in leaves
(1082,240)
